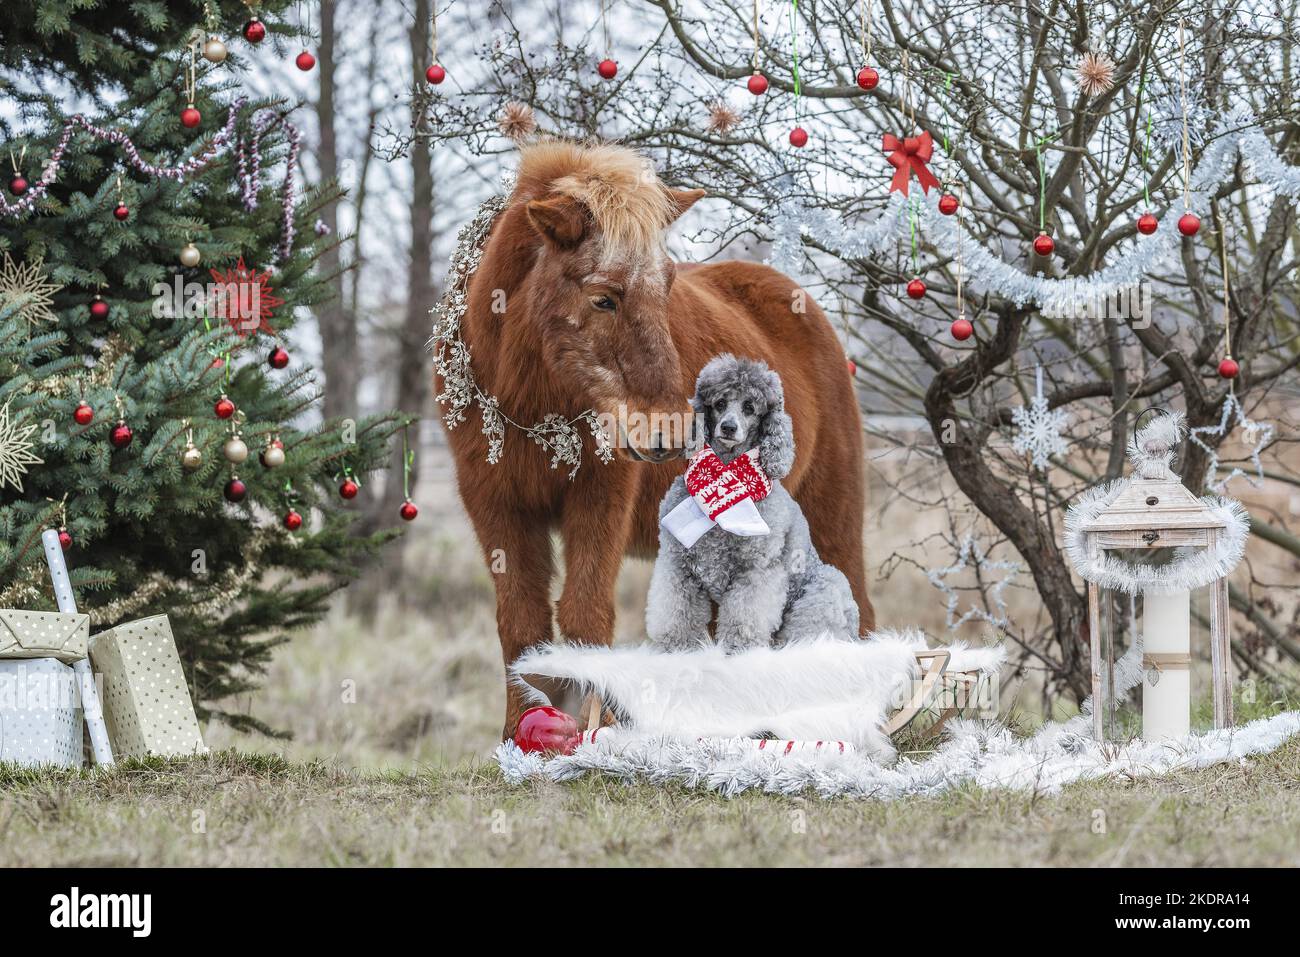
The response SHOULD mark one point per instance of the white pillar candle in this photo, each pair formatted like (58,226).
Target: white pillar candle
(1166,630)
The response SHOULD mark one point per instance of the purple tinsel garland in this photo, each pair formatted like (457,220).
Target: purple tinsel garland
(249,180)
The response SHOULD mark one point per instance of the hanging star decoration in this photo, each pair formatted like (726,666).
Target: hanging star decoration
(1257,436)
(971,556)
(1096,73)
(15,449)
(242,297)
(1039,428)
(27,286)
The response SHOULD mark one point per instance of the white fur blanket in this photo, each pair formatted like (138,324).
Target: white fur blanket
(826,689)
(682,721)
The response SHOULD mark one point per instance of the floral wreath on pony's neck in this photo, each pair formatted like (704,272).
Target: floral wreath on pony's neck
(561,436)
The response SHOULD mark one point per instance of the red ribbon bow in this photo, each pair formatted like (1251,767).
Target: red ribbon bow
(909,156)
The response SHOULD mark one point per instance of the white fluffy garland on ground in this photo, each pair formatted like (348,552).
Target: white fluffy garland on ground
(976,753)
(1236,135)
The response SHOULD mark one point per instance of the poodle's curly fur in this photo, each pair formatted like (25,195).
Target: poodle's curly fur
(769,589)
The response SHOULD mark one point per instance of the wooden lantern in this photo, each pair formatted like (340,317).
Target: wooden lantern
(1152,509)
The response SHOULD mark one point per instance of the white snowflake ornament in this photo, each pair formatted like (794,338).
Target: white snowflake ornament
(1039,428)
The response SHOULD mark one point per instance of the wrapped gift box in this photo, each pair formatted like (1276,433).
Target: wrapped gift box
(43,634)
(146,701)
(40,713)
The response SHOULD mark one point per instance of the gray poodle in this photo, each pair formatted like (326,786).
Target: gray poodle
(769,589)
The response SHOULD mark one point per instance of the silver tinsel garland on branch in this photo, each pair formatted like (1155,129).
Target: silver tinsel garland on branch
(1237,135)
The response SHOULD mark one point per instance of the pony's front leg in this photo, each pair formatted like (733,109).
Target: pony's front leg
(517,548)
(750,612)
(596,521)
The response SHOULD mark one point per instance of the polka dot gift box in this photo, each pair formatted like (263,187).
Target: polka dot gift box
(40,713)
(43,634)
(146,700)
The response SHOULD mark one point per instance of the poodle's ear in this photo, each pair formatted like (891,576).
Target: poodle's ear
(776,447)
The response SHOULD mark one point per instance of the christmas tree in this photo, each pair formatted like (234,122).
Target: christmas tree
(154,250)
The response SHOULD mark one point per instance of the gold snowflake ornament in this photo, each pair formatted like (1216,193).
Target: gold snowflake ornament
(15,450)
(1096,73)
(28,281)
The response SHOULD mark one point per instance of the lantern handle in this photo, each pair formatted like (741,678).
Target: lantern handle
(1137,427)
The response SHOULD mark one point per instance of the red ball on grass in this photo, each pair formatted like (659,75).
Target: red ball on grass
(547,729)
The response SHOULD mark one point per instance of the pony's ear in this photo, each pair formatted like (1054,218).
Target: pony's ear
(559,220)
(776,447)
(680,200)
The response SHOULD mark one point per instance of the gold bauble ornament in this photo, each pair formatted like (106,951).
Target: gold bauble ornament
(214,51)
(190,255)
(191,459)
(235,450)
(272,457)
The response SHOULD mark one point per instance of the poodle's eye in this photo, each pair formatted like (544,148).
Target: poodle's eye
(720,405)
(603,303)
(748,408)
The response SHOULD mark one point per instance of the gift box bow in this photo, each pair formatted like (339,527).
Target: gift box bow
(43,634)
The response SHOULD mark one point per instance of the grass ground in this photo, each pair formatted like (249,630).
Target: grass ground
(232,809)
(393,718)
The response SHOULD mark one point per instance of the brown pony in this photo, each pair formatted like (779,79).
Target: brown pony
(596,316)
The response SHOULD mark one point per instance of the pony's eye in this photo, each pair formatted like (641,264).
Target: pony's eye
(749,408)
(603,303)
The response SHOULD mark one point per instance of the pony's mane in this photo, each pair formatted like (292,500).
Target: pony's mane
(616,184)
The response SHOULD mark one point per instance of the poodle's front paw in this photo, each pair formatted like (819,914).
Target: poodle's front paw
(679,641)
(741,635)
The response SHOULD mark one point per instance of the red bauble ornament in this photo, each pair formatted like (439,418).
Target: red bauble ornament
(868,78)
(1043,244)
(408,511)
(190,117)
(1147,224)
(292,520)
(121,212)
(83,414)
(278,358)
(121,435)
(948,204)
(1228,368)
(224,408)
(798,136)
(235,490)
(435,74)
(607,69)
(98,309)
(18,185)
(547,729)
(305,61)
(1189,224)
(254,31)
(916,288)
(65,540)
(757,83)
(349,489)
(962,329)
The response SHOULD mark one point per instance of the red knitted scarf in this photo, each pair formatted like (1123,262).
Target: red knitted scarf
(717,486)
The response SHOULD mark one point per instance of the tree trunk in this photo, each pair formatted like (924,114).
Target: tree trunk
(338,327)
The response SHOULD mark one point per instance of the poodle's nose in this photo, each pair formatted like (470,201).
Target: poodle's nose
(728,428)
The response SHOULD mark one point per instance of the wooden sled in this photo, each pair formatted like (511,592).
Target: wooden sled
(952,689)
